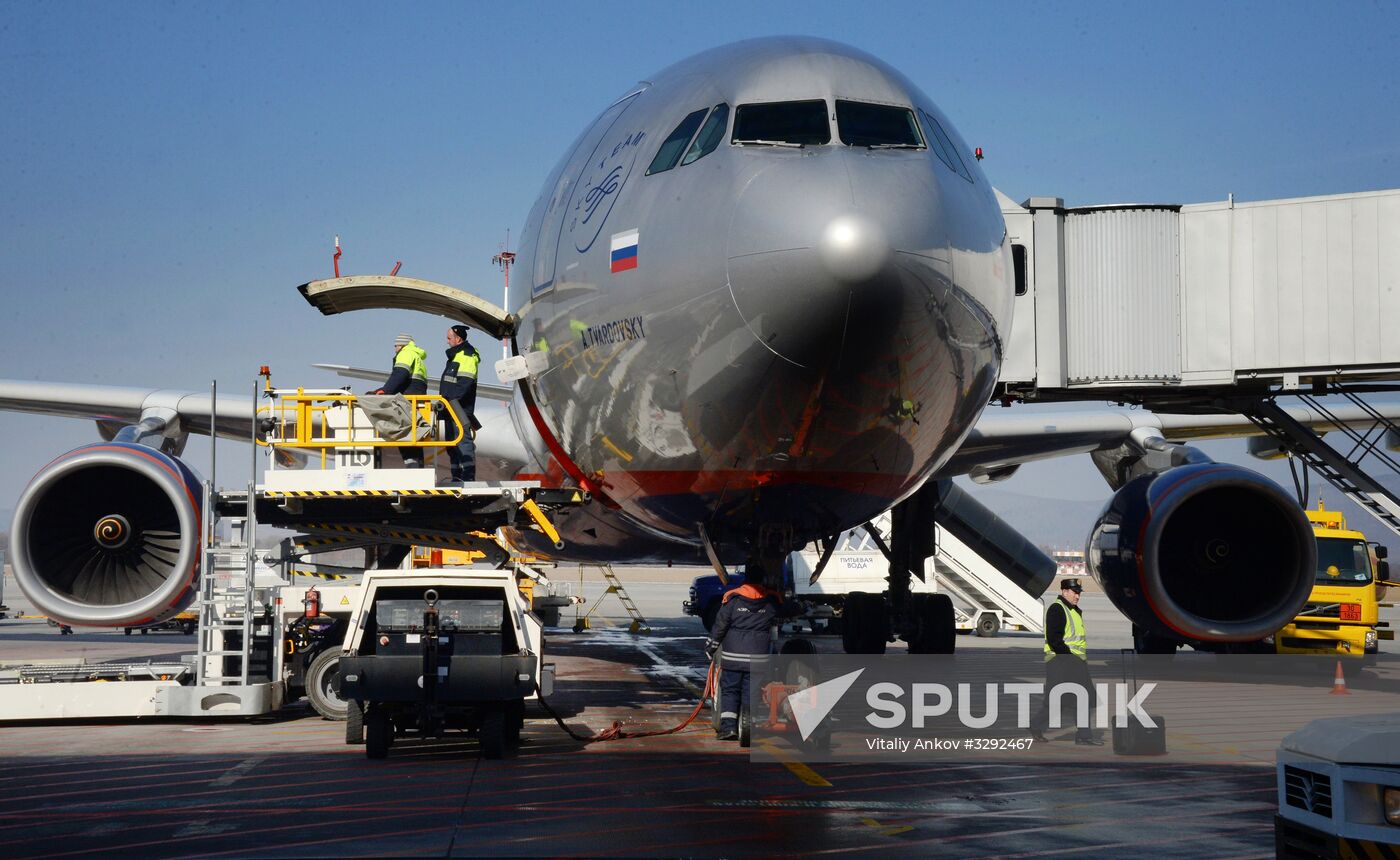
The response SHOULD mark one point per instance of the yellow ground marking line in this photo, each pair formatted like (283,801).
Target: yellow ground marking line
(799,770)
(886,829)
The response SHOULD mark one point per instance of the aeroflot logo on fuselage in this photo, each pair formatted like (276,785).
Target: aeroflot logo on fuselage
(607,172)
(913,705)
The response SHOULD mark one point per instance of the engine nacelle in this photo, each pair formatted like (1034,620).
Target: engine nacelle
(108,535)
(1207,552)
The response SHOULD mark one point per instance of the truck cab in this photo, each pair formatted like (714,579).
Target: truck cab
(1342,615)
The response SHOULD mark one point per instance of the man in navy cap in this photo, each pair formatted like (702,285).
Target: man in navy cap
(1066,660)
(458,388)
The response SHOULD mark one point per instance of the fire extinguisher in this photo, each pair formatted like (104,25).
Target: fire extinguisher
(311,604)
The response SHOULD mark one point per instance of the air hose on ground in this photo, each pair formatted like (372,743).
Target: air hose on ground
(615,732)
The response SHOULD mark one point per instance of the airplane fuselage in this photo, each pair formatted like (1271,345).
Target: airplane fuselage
(788,335)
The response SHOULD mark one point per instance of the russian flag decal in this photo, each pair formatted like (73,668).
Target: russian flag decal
(624,250)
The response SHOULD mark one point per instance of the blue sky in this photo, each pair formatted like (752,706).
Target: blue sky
(169,172)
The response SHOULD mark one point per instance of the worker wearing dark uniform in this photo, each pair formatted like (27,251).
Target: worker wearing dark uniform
(1066,659)
(409,376)
(743,632)
(458,388)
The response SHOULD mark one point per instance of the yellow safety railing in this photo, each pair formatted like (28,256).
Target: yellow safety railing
(300,421)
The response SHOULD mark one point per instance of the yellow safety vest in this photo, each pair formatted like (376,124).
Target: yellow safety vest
(411,356)
(1075,637)
(467,363)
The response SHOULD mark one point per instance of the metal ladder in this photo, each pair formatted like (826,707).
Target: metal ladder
(639,623)
(1342,470)
(226,606)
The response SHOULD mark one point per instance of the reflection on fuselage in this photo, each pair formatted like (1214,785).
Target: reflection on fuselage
(766,337)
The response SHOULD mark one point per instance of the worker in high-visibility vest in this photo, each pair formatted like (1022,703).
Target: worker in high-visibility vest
(409,376)
(1066,662)
(458,388)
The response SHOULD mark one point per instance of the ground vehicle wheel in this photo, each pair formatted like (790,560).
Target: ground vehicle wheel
(798,646)
(493,733)
(378,731)
(145,630)
(745,728)
(707,615)
(323,685)
(354,723)
(126,630)
(988,625)
(515,721)
(187,628)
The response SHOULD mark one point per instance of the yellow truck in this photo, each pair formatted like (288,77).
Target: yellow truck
(1342,615)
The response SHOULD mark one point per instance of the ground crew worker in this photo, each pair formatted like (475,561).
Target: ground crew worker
(458,388)
(742,632)
(410,373)
(409,376)
(1066,659)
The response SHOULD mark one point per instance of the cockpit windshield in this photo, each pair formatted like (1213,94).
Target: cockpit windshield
(882,126)
(782,124)
(1342,562)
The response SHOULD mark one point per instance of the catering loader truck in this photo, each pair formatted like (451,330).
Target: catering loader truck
(1342,615)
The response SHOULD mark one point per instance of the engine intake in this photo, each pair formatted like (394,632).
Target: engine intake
(108,535)
(1207,552)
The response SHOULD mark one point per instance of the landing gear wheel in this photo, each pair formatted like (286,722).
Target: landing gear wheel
(493,733)
(935,631)
(323,685)
(865,624)
(379,731)
(988,626)
(798,646)
(745,728)
(354,723)
(1150,643)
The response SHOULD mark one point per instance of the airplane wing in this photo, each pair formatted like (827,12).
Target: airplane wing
(1003,439)
(499,451)
(487,390)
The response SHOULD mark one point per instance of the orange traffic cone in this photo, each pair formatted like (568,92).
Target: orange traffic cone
(1339,684)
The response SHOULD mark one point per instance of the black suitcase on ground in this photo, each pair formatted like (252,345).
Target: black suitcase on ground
(1135,738)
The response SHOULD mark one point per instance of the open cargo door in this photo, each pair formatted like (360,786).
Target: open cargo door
(368,292)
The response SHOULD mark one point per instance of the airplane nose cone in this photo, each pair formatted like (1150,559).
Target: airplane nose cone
(853,248)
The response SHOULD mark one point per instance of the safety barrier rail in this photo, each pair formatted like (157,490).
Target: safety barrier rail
(326,419)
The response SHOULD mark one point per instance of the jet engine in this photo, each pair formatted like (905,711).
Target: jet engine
(1206,552)
(108,535)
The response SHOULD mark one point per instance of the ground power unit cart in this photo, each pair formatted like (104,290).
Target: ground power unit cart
(432,651)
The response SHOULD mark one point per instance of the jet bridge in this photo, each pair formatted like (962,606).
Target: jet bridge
(1224,306)
(1171,302)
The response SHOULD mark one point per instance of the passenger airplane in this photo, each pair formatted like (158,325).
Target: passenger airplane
(768,291)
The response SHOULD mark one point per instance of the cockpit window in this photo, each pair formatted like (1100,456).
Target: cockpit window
(674,145)
(782,124)
(943,147)
(711,133)
(877,126)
